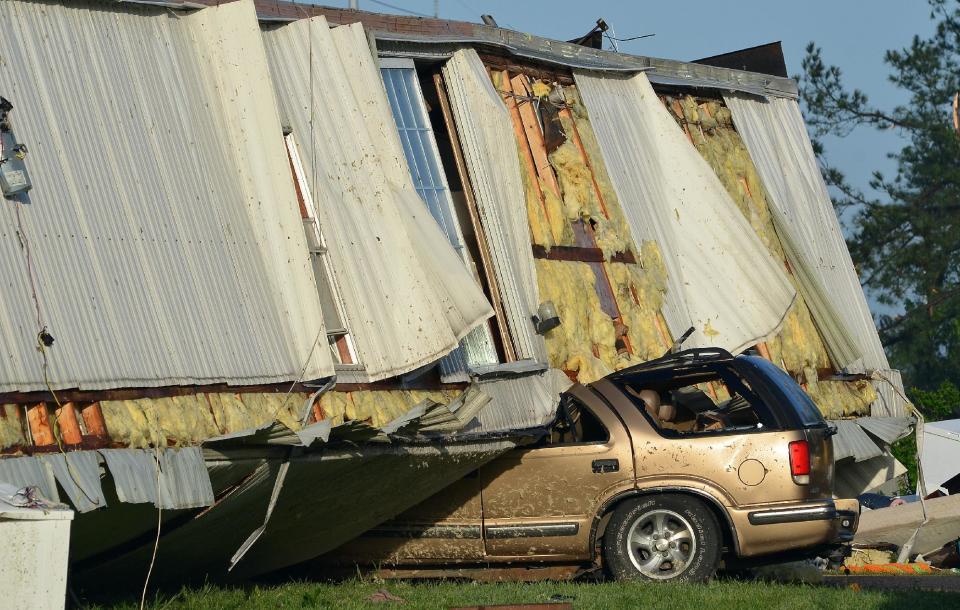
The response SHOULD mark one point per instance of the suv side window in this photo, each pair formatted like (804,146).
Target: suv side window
(576,424)
(712,399)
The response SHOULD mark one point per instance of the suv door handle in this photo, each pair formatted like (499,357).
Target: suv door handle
(601,466)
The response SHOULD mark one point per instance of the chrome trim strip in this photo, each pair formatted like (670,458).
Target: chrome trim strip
(793,515)
(535,530)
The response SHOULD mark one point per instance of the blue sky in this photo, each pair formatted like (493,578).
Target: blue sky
(853,35)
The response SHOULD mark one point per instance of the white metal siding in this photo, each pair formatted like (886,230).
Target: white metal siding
(163,225)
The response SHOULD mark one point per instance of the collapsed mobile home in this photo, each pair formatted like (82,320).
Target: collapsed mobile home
(285,271)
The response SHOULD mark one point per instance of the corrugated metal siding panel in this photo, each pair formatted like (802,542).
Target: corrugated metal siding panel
(520,403)
(407,295)
(721,279)
(27,472)
(855,478)
(887,429)
(483,126)
(776,136)
(852,441)
(78,473)
(163,224)
(183,478)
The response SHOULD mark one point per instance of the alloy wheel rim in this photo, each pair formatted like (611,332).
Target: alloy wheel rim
(661,544)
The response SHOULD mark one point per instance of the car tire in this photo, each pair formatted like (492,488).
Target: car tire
(685,548)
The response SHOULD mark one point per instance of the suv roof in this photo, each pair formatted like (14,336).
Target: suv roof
(677,360)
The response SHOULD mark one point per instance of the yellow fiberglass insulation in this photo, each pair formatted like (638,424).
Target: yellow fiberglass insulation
(583,324)
(11,430)
(611,230)
(648,283)
(188,420)
(585,341)
(798,346)
(838,399)
(378,407)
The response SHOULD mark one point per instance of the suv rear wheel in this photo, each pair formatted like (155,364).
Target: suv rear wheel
(661,538)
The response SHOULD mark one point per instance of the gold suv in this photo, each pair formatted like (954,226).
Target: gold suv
(657,471)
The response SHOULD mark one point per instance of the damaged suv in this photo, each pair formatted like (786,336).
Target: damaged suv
(658,472)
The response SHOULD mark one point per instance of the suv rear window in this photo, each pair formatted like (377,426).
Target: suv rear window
(709,398)
(804,409)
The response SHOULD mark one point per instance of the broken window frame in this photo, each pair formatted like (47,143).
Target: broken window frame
(339,339)
(408,106)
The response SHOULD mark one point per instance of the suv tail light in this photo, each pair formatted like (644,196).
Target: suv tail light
(800,462)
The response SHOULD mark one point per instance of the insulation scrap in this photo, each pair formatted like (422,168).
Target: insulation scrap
(190,419)
(863,557)
(583,323)
(798,346)
(11,430)
(639,292)
(837,399)
(585,341)
(377,407)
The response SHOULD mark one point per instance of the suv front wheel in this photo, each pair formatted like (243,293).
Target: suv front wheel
(662,538)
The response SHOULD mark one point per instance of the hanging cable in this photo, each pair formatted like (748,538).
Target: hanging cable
(156,541)
(44,341)
(401,9)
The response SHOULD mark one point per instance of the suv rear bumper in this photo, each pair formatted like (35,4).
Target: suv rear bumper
(761,531)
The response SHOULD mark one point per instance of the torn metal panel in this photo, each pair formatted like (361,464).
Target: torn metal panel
(887,429)
(179,475)
(852,441)
(486,136)
(29,471)
(776,136)
(520,403)
(78,473)
(203,545)
(407,296)
(370,484)
(879,473)
(737,296)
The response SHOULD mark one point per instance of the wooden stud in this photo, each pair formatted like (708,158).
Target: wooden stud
(521,137)
(764,350)
(343,350)
(581,254)
(486,259)
(68,425)
(40,430)
(534,135)
(93,419)
(661,325)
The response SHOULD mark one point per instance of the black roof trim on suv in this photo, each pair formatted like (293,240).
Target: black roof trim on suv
(681,359)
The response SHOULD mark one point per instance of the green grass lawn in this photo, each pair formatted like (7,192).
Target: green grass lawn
(724,595)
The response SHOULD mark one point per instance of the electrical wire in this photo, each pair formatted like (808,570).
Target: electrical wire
(401,9)
(42,335)
(156,541)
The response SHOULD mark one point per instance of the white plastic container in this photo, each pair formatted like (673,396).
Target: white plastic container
(34,548)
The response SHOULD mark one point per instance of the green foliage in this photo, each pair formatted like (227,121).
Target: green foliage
(905,240)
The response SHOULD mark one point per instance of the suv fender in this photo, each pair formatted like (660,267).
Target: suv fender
(726,524)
